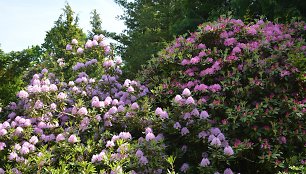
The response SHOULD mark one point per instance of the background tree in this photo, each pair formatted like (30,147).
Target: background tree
(65,29)
(96,24)
(14,67)
(147,30)
(280,10)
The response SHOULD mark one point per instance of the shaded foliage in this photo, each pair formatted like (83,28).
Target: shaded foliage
(13,68)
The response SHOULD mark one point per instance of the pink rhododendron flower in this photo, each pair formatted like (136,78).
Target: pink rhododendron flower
(202,53)
(82,111)
(201,46)
(202,134)
(190,101)
(285,73)
(236,50)
(143,160)
(228,171)
(204,115)
(80,50)
(94,43)
(177,125)
(23,94)
(185,62)
(215,131)
(201,87)
(228,151)
(68,47)
(12,156)
(125,135)
(195,60)
(205,162)
(184,167)
(186,92)
(2,146)
(135,106)
(60,137)
(215,88)
(72,139)
(33,140)
(24,150)
(184,131)
(88,44)
(251,31)
(150,136)
(208,28)
(110,144)
(224,35)
(178,99)
(221,136)
(53,106)
(3,132)
(215,142)
(53,87)
(139,153)
(62,96)
(74,42)
(230,41)
(18,130)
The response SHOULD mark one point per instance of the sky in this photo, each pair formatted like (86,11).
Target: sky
(24,23)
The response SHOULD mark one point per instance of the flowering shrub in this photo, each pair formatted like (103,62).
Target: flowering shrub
(80,116)
(226,99)
(245,80)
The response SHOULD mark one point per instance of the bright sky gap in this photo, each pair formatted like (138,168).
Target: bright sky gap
(24,23)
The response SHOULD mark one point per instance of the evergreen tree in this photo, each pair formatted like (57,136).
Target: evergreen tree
(96,24)
(147,31)
(65,29)
(96,27)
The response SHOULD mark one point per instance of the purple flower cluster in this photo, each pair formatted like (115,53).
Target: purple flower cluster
(244,81)
(84,65)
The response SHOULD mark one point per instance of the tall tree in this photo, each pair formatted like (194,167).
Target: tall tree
(147,30)
(66,28)
(96,24)
(96,27)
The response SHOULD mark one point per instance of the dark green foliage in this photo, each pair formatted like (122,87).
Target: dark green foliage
(282,10)
(13,68)
(148,29)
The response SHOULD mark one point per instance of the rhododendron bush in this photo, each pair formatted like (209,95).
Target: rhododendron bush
(82,117)
(248,79)
(225,100)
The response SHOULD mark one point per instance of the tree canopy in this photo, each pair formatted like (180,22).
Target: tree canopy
(65,29)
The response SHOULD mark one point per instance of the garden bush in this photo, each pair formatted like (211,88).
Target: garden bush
(250,78)
(81,117)
(227,99)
